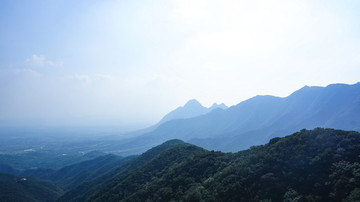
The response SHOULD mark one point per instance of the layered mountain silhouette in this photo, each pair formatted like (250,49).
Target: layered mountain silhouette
(256,120)
(191,109)
(309,165)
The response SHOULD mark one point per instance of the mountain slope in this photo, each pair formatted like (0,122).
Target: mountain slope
(13,188)
(315,165)
(138,179)
(87,188)
(256,120)
(73,175)
(191,109)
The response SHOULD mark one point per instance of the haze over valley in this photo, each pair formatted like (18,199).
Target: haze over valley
(178,100)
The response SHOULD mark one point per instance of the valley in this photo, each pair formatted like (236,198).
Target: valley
(179,101)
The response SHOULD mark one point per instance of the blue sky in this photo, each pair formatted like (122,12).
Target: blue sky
(128,63)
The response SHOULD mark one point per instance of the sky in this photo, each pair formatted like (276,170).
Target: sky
(128,63)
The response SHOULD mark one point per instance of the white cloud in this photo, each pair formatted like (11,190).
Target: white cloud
(93,78)
(41,61)
(81,77)
(36,60)
(104,77)
(54,64)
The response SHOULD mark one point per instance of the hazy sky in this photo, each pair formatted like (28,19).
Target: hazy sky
(130,62)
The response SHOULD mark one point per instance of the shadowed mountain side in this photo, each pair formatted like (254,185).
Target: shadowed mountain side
(73,175)
(87,188)
(27,189)
(162,163)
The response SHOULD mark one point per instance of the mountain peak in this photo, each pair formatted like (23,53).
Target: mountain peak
(192,102)
(191,109)
(215,106)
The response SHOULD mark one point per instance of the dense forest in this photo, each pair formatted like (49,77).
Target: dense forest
(29,189)
(310,165)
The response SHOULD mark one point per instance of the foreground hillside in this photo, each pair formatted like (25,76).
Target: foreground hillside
(310,165)
(13,188)
(87,188)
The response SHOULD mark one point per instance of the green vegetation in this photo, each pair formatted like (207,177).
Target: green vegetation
(86,189)
(71,176)
(19,189)
(122,187)
(310,165)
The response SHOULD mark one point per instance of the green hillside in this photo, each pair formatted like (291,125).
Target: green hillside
(310,165)
(85,189)
(73,175)
(27,189)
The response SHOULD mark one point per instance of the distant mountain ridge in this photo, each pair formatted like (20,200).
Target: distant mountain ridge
(216,106)
(258,119)
(191,109)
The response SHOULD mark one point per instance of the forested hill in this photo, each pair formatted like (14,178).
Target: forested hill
(26,189)
(87,188)
(310,165)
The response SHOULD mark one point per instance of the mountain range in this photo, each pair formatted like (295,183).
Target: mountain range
(191,109)
(309,165)
(256,120)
